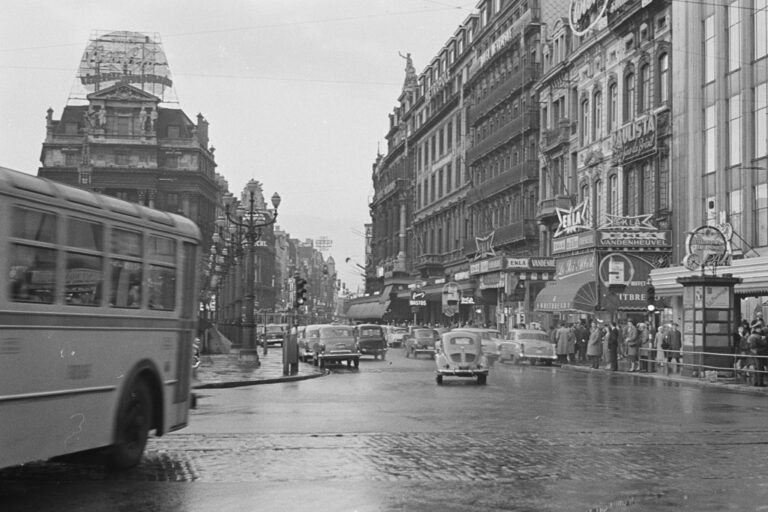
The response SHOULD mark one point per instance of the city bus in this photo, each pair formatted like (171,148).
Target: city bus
(98,314)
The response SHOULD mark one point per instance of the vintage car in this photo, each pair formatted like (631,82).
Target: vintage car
(273,333)
(395,335)
(460,354)
(333,343)
(527,344)
(421,340)
(305,350)
(371,340)
(490,339)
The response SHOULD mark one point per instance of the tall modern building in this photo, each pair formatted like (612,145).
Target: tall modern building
(719,150)
(123,134)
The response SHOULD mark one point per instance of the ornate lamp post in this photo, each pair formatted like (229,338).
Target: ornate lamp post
(251,222)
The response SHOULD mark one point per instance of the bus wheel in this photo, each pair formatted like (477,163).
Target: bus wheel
(134,420)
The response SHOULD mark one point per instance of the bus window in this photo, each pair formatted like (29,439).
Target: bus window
(125,278)
(84,235)
(161,287)
(32,274)
(162,249)
(83,280)
(126,243)
(33,225)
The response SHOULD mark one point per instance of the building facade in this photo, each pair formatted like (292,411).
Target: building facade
(605,211)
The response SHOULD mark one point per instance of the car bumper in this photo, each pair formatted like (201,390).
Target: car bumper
(338,356)
(418,351)
(538,357)
(455,372)
(373,351)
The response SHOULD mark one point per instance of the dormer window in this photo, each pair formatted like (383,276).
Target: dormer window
(173,131)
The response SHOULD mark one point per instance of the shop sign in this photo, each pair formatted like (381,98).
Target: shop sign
(628,271)
(451,298)
(584,15)
(705,246)
(467,300)
(481,267)
(491,281)
(418,298)
(572,220)
(634,239)
(461,276)
(634,140)
(630,222)
(529,263)
(574,242)
(575,264)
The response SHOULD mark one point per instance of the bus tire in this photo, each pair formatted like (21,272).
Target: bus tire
(134,420)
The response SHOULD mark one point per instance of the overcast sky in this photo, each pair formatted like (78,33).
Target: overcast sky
(297,93)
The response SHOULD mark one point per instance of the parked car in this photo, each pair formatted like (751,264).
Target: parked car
(273,333)
(333,343)
(371,340)
(527,344)
(460,354)
(490,339)
(421,340)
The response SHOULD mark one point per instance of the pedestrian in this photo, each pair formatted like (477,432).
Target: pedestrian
(658,354)
(562,336)
(741,353)
(632,339)
(758,347)
(673,342)
(613,346)
(582,336)
(571,343)
(595,345)
(646,341)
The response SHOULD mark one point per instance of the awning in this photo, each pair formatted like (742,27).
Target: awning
(367,310)
(576,292)
(752,271)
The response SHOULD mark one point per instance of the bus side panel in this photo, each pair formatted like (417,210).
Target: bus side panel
(60,387)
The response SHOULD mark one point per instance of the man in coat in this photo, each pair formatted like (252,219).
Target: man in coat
(673,342)
(613,346)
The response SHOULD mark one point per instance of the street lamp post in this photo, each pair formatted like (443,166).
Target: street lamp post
(251,222)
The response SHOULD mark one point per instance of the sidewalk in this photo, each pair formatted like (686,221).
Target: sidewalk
(721,382)
(232,370)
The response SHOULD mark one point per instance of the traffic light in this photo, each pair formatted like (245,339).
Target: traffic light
(650,298)
(301,292)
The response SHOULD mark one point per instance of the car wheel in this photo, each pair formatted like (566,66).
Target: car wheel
(548,362)
(134,420)
(439,379)
(357,363)
(482,379)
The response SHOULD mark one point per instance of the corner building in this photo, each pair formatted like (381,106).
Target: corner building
(605,107)
(122,134)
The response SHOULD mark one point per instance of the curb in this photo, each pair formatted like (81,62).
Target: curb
(692,381)
(239,383)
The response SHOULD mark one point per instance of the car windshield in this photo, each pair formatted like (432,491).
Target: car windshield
(336,332)
(278,329)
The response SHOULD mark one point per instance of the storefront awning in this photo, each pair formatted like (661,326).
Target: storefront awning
(752,271)
(577,292)
(367,310)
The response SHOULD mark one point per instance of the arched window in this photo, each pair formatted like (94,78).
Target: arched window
(645,88)
(597,115)
(629,97)
(663,77)
(584,193)
(585,122)
(613,106)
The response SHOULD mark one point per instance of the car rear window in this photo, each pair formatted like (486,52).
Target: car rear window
(370,331)
(336,332)
(539,336)
(462,341)
(423,333)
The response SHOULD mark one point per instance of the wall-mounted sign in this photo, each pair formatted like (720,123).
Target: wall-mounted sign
(528,263)
(629,222)
(705,246)
(634,238)
(572,220)
(418,298)
(634,140)
(484,246)
(584,240)
(575,264)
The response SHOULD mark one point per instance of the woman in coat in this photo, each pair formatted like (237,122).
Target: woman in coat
(562,335)
(595,345)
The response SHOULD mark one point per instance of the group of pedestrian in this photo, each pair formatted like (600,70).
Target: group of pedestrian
(752,347)
(606,343)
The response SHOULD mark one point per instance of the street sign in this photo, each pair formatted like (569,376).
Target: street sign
(418,298)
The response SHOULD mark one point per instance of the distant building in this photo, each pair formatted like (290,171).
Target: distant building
(119,135)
